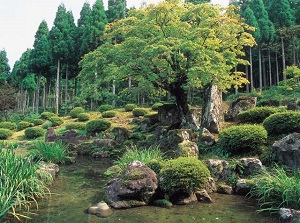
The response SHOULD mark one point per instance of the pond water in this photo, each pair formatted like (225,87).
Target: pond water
(80,185)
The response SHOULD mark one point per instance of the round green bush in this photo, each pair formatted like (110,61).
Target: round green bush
(103,108)
(97,125)
(256,115)
(5,133)
(139,112)
(109,114)
(130,107)
(82,117)
(56,121)
(76,111)
(47,124)
(23,125)
(8,125)
(34,132)
(282,123)
(76,125)
(156,105)
(243,139)
(38,121)
(46,115)
(185,174)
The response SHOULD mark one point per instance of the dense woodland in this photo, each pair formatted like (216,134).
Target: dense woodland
(151,54)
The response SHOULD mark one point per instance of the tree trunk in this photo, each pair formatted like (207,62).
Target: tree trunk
(260,69)
(114,94)
(67,79)
(37,99)
(251,71)
(247,76)
(277,69)
(283,58)
(24,102)
(57,88)
(270,68)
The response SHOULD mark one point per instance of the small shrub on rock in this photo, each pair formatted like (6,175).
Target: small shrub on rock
(8,125)
(76,111)
(109,114)
(139,112)
(76,125)
(256,115)
(282,123)
(156,105)
(183,174)
(23,125)
(243,139)
(130,107)
(34,132)
(103,108)
(38,121)
(5,133)
(97,125)
(47,115)
(82,117)
(56,121)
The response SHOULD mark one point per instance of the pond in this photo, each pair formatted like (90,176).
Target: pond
(80,185)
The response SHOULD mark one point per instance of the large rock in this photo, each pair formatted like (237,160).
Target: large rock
(289,215)
(168,114)
(101,210)
(239,105)
(135,187)
(287,151)
(250,166)
(242,187)
(219,169)
(51,168)
(213,115)
(207,138)
(120,134)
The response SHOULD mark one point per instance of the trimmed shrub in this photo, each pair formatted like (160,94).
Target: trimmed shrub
(23,125)
(46,115)
(184,174)
(76,111)
(139,112)
(8,125)
(34,132)
(97,125)
(130,107)
(47,124)
(56,121)
(109,114)
(282,123)
(103,108)
(241,139)
(156,105)
(82,117)
(256,115)
(38,121)
(76,125)
(5,133)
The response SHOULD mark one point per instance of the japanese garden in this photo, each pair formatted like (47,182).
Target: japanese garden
(180,111)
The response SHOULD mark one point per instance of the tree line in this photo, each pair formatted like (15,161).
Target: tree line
(145,55)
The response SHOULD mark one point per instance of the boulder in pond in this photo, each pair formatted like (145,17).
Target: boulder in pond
(250,166)
(289,215)
(219,169)
(242,187)
(135,187)
(100,209)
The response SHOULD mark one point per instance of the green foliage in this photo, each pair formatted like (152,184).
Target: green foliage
(75,125)
(256,115)
(103,108)
(34,132)
(5,133)
(20,185)
(183,174)
(76,111)
(162,203)
(47,115)
(47,124)
(282,123)
(139,112)
(130,107)
(109,114)
(56,121)
(8,125)
(56,152)
(97,125)
(82,117)
(242,139)
(23,125)
(155,106)
(277,188)
(38,121)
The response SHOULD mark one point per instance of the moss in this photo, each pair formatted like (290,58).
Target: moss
(162,203)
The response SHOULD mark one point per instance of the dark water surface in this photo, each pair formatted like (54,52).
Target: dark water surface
(80,185)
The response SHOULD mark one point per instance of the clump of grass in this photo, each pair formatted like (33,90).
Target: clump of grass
(56,152)
(20,185)
(277,188)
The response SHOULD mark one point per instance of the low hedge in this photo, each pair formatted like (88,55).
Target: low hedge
(97,125)
(76,125)
(5,133)
(139,112)
(243,139)
(130,107)
(109,114)
(76,111)
(106,107)
(82,117)
(8,125)
(256,115)
(46,115)
(23,125)
(56,121)
(34,132)
(38,121)
(282,123)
